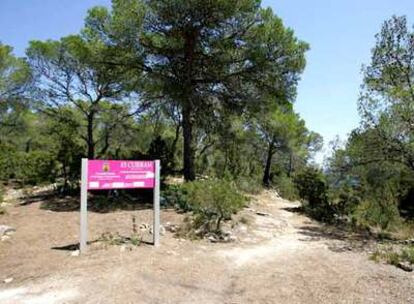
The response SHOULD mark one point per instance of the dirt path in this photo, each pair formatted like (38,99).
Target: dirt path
(280,258)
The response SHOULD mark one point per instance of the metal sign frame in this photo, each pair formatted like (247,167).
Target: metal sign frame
(84,206)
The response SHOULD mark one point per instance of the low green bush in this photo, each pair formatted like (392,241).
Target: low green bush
(371,213)
(37,167)
(313,191)
(212,201)
(175,196)
(249,185)
(394,256)
(286,187)
(28,167)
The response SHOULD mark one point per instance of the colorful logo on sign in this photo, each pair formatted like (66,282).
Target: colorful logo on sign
(105,167)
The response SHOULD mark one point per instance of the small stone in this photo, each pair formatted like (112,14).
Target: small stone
(144,227)
(232,238)
(75,253)
(123,248)
(405,266)
(8,280)
(6,230)
(172,252)
(409,242)
(212,239)
(243,228)
(5,238)
(171,227)
(162,230)
(263,213)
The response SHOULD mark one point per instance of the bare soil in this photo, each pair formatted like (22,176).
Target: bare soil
(282,257)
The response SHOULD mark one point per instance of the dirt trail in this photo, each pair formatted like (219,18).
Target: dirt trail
(282,257)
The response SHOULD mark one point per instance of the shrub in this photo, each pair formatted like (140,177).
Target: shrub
(212,202)
(345,200)
(174,196)
(7,162)
(394,256)
(31,167)
(286,187)
(312,186)
(371,213)
(248,185)
(37,167)
(313,191)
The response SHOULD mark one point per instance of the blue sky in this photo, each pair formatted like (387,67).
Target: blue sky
(340,33)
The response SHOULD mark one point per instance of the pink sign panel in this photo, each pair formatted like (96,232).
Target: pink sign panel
(120,174)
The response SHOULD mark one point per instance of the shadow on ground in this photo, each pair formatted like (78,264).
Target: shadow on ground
(75,246)
(100,202)
(339,238)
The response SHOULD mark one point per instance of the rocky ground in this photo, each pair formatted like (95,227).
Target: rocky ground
(279,256)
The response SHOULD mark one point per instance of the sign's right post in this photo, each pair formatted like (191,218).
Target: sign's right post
(156,224)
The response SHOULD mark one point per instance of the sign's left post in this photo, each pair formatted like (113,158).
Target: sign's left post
(84,207)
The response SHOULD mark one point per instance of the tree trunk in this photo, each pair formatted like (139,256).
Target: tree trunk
(90,139)
(290,164)
(174,147)
(266,173)
(189,152)
(190,37)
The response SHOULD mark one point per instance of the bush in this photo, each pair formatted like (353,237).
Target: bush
(286,187)
(394,256)
(370,213)
(345,200)
(248,185)
(313,191)
(175,196)
(212,202)
(31,167)
(37,167)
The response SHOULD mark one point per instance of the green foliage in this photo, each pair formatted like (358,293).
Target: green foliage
(14,76)
(180,90)
(312,186)
(159,149)
(387,96)
(206,60)
(394,256)
(175,196)
(286,187)
(249,185)
(30,168)
(212,202)
(373,213)
(371,176)
(36,167)
(313,190)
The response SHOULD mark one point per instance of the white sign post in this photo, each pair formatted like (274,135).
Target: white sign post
(84,207)
(156,216)
(119,174)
